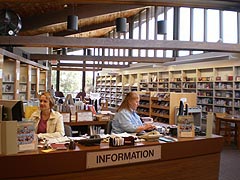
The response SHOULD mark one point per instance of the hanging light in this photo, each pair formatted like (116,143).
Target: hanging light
(162,27)
(64,51)
(72,23)
(121,25)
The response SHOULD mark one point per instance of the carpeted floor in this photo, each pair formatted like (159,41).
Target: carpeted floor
(230,163)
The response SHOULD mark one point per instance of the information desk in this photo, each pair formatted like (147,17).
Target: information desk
(189,158)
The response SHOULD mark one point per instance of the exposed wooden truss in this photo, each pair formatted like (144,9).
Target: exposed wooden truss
(62,42)
(99,58)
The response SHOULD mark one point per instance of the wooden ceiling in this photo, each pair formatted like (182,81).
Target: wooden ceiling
(96,18)
(44,16)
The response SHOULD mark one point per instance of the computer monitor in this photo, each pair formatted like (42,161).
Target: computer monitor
(12,110)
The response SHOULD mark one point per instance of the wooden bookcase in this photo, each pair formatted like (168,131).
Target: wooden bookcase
(161,105)
(19,80)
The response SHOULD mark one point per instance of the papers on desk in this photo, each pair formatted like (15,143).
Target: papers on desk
(77,138)
(58,140)
(125,134)
(107,112)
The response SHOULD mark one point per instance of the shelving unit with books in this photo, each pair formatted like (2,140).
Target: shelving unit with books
(43,81)
(163,81)
(144,104)
(9,82)
(205,90)
(133,82)
(119,95)
(153,81)
(175,83)
(107,83)
(163,105)
(99,86)
(143,81)
(236,93)
(113,89)
(126,83)
(189,81)
(223,95)
(108,87)
(217,85)
(17,80)
(23,82)
(34,82)
(160,106)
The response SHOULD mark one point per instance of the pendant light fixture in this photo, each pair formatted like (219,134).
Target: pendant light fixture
(162,27)
(72,23)
(121,25)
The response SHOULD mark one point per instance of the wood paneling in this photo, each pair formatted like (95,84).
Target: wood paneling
(190,158)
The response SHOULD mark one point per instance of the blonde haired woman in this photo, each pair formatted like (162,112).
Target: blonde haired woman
(48,123)
(126,118)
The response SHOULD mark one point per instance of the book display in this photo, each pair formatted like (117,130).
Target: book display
(186,126)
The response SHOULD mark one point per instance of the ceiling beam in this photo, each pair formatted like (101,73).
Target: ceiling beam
(99,58)
(62,42)
(75,65)
(76,69)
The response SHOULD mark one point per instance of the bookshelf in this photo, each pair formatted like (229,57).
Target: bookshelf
(217,85)
(19,81)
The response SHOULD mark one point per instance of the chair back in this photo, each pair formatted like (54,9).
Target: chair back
(81,95)
(68,130)
(109,127)
(59,94)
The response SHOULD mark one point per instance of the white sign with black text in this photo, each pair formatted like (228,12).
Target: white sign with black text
(123,156)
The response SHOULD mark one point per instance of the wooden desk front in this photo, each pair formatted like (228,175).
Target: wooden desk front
(197,158)
(229,118)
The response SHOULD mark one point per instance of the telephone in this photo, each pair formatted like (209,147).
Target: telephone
(151,136)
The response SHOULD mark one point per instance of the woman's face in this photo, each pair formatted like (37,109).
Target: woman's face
(133,103)
(44,103)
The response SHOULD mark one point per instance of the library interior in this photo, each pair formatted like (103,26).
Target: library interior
(131,89)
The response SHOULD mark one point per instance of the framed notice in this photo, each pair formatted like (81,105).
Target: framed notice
(185,126)
(26,137)
(84,116)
